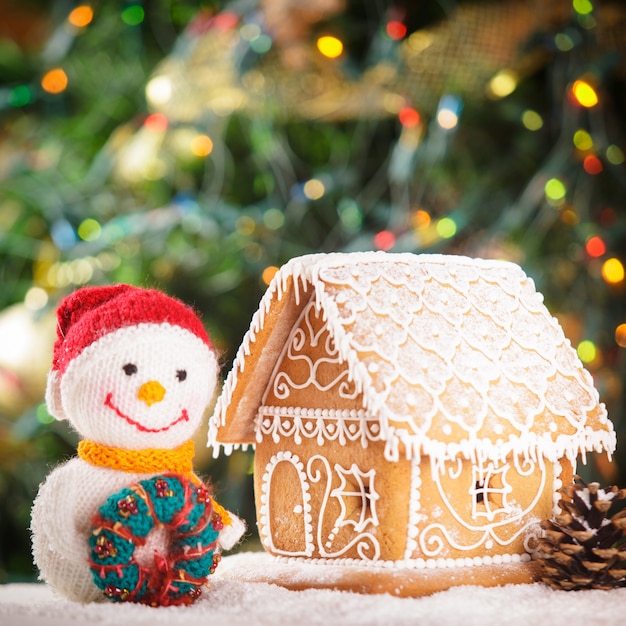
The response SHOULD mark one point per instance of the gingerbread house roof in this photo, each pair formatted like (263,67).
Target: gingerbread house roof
(452,356)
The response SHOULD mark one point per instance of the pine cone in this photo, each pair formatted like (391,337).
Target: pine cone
(583,548)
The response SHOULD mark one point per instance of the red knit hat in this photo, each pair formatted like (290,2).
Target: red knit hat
(91,312)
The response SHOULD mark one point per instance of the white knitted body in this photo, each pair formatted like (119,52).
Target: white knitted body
(61,523)
(103,394)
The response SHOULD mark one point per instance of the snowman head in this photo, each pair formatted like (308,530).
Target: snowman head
(132,368)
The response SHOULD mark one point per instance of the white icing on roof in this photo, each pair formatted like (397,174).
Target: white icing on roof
(467,341)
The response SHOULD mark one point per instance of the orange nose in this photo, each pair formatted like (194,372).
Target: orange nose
(151,392)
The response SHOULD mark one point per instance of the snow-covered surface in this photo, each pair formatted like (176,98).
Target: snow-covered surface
(233,602)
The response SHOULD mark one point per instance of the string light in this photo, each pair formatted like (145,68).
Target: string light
(268,274)
(330,46)
(613,271)
(314,189)
(584,94)
(615,155)
(133,15)
(582,7)
(503,84)
(396,30)
(587,351)
(409,117)
(592,164)
(421,219)
(54,81)
(448,112)
(89,230)
(156,123)
(19,96)
(384,240)
(555,190)
(582,140)
(201,145)
(595,246)
(159,90)
(446,228)
(532,120)
(81,16)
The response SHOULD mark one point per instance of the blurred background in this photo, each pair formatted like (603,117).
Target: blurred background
(196,146)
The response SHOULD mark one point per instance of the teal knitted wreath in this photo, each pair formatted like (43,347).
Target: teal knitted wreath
(183,506)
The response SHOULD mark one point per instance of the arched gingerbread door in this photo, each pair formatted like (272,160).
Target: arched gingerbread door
(285,521)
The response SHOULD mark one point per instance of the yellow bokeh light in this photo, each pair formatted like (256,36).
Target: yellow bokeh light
(54,81)
(245,225)
(330,46)
(446,227)
(201,145)
(585,94)
(620,335)
(582,140)
(532,120)
(314,189)
(615,155)
(587,351)
(269,273)
(613,271)
(89,229)
(555,189)
(503,84)
(81,16)
(582,7)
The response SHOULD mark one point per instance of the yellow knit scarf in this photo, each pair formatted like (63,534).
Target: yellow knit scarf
(148,461)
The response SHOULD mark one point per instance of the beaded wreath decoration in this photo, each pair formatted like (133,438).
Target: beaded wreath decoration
(183,506)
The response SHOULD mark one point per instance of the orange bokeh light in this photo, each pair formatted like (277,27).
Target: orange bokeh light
(54,81)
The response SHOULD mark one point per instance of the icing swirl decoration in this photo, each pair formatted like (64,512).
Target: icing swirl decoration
(183,507)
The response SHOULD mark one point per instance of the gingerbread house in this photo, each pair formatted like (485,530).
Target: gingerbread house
(413,411)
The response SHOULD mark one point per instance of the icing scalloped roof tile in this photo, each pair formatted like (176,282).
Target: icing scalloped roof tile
(442,345)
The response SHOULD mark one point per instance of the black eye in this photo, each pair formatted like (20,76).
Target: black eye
(181,375)
(130,369)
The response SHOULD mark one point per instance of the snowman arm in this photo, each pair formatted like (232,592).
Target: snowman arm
(232,532)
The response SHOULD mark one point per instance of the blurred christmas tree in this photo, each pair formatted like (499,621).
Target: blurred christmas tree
(197,146)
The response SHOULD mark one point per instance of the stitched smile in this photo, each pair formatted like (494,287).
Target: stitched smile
(183,418)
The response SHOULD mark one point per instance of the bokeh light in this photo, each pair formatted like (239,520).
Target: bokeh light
(54,81)
(330,46)
(446,227)
(592,164)
(201,145)
(555,189)
(409,117)
(503,83)
(532,120)
(133,15)
(269,273)
(156,123)
(587,351)
(595,246)
(584,94)
(314,189)
(620,335)
(81,16)
(613,271)
(396,30)
(582,140)
(384,240)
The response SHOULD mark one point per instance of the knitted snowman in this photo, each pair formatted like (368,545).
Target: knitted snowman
(133,371)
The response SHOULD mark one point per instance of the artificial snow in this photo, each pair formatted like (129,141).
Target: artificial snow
(260,604)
